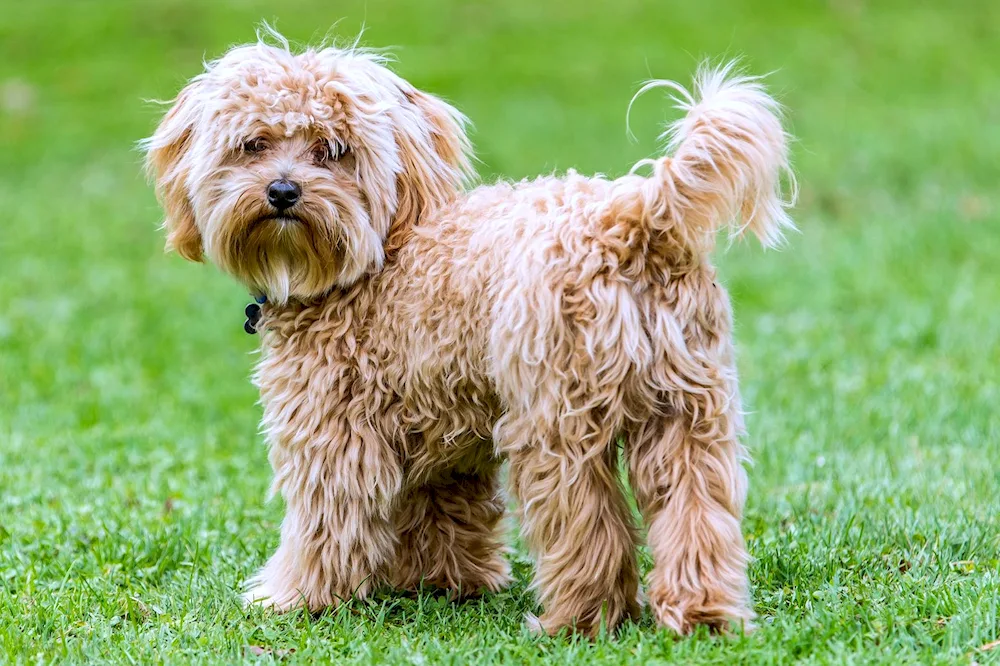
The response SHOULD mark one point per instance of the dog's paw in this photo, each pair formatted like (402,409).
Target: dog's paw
(493,576)
(591,624)
(547,625)
(259,593)
(463,581)
(683,616)
(533,625)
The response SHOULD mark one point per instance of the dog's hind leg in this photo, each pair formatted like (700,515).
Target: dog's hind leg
(575,521)
(450,535)
(688,477)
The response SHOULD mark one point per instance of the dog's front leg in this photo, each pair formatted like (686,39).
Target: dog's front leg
(337,533)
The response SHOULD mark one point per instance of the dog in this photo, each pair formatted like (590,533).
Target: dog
(417,332)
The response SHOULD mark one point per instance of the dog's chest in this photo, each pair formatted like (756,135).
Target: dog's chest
(425,397)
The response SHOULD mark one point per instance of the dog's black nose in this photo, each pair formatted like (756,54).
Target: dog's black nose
(283,193)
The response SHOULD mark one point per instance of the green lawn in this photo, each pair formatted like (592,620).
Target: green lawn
(132,480)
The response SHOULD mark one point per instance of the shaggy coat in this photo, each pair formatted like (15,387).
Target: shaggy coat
(418,333)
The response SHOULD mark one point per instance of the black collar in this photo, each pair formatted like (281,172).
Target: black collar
(252,311)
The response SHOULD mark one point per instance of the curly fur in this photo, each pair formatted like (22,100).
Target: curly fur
(418,334)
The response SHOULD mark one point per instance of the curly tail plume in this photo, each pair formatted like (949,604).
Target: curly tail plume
(729,153)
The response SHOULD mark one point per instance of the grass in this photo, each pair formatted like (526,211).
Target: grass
(133,480)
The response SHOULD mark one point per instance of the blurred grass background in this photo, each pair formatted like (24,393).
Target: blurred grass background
(131,477)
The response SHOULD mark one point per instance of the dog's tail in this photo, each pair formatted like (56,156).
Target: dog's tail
(729,154)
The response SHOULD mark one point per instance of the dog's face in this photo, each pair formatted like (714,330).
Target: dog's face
(290,171)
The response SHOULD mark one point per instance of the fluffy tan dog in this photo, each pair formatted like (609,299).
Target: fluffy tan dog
(417,333)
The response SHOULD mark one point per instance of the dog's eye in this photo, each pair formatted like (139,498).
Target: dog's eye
(255,145)
(321,152)
(324,151)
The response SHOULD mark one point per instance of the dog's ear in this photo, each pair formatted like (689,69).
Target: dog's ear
(166,162)
(435,153)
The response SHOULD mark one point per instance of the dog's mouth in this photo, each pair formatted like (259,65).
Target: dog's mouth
(283,219)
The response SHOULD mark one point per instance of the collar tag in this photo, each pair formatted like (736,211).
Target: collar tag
(252,312)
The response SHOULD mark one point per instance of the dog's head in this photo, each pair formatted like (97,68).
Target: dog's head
(290,170)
